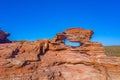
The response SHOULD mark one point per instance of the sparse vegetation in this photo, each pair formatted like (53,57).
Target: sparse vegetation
(112,51)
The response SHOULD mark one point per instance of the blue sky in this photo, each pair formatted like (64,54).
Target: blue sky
(39,19)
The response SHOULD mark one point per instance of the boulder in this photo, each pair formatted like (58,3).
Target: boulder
(3,37)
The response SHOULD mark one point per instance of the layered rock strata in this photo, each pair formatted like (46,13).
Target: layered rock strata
(53,60)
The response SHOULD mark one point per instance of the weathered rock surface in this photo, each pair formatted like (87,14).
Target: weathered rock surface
(53,60)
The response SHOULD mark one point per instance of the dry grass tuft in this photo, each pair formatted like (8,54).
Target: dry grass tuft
(112,51)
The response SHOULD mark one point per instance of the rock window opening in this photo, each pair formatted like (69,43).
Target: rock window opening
(72,44)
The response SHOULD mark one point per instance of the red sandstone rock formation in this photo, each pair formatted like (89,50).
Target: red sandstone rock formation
(3,37)
(53,60)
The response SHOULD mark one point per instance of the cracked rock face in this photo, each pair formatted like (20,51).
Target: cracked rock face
(53,60)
